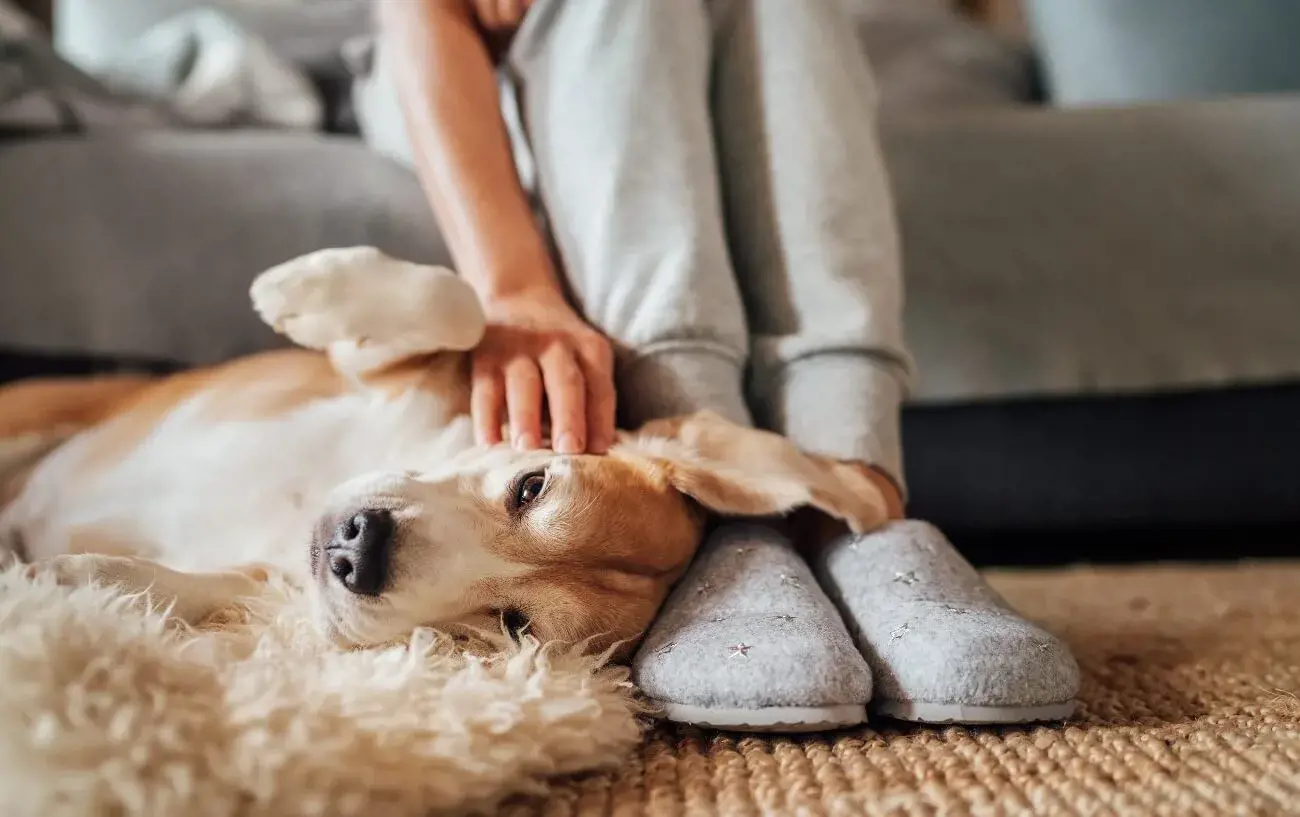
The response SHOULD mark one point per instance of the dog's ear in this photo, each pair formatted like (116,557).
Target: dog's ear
(738,471)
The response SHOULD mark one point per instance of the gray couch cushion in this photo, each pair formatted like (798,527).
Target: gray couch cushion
(145,245)
(1047,253)
(926,55)
(1052,253)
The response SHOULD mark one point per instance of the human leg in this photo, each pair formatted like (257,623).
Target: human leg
(619,148)
(943,646)
(613,138)
(811,226)
(812,233)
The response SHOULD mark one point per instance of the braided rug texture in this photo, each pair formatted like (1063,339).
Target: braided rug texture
(1189,706)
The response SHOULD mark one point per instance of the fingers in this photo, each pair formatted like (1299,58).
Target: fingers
(497,15)
(567,397)
(513,391)
(509,12)
(512,11)
(524,402)
(487,401)
(486,14)
(524,374)
(597,363)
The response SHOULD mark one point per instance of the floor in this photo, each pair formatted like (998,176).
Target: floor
(1191,677)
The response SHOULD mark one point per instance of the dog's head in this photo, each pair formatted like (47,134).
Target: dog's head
(572,548)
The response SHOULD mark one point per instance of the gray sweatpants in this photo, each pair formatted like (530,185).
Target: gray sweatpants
(710,176)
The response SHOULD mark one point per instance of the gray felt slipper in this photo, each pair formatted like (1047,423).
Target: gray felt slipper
(943,646)
(748,641)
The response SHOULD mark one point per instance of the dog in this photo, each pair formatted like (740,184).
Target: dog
(348,465)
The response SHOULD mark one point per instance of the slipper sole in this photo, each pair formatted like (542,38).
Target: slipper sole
(924,712)
(767,719)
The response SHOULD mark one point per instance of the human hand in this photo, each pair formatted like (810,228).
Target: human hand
(537,346)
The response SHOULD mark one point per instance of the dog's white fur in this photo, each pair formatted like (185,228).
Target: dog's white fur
(255,463)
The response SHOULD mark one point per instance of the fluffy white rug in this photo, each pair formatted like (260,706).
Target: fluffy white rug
(105,709)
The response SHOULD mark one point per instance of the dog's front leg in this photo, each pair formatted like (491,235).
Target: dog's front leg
(190,597)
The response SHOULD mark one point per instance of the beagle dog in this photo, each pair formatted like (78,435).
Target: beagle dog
(349,466)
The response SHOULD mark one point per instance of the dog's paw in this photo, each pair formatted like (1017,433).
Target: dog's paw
(360,297)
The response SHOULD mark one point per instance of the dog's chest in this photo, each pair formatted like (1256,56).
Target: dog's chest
(199,493)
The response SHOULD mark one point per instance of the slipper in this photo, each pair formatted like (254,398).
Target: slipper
(942,645)
(749,642)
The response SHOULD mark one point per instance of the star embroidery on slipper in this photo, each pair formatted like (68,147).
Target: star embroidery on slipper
(704,588)
(908,578)
(789,581)
(898,631)
(783,617)
(741,551)
(667,648)
(740,650)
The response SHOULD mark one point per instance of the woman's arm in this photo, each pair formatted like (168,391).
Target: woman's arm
(447,85)
(536,345)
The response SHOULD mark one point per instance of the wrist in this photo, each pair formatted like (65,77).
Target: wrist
(497,296)
(525,275)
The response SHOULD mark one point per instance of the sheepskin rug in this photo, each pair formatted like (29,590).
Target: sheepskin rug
(108,708)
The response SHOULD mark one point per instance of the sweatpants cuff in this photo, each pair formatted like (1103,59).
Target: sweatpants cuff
(680,381)
(840,405)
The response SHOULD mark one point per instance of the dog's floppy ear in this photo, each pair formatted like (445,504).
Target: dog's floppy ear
(741,471)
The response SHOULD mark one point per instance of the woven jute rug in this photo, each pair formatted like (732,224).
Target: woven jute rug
(1190,706)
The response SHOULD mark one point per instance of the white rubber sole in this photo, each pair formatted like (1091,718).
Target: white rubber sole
(922,712)
(767,719)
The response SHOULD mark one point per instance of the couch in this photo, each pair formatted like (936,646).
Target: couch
(1104,302)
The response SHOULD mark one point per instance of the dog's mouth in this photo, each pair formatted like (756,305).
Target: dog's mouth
(320,537)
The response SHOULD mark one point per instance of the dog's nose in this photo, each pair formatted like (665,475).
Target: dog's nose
(358,553)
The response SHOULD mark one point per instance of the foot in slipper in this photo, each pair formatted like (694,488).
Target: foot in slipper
(748,641)
(942,645)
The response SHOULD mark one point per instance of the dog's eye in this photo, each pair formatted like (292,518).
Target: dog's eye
(514,621)
(526,489)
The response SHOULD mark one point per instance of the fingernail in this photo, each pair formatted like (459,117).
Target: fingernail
(599,445)
(525,442)
(568,444)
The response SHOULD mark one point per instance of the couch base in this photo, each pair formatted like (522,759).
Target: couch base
(1116,473)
